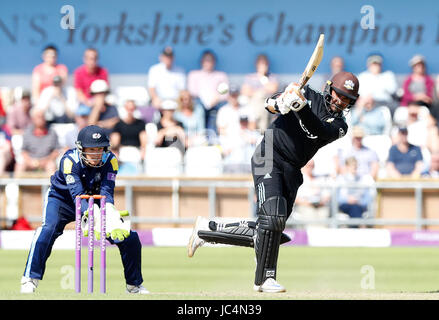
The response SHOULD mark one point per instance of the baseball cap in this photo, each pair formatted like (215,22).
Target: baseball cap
(99,86)
(25,94)
(233,90)
(403,130)
(417,58)
(374,58)
(57,80)
(168,51)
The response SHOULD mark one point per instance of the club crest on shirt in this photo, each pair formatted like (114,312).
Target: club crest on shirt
(98,176)
(330,120)
(70,179)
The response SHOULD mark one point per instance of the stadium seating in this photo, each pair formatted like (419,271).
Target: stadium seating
(163,162)
(203,161)
(130,160)
(137,93)
(401,113)
(381,145)
(387,115)
(61,129)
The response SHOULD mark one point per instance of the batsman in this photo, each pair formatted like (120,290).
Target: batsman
(90,168)
(307,120)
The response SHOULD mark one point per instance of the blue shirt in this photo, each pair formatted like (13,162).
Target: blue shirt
(405,162)
(74,178)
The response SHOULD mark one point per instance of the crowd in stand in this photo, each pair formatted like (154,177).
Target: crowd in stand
(393,127)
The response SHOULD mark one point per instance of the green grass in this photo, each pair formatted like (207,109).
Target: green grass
(227,273)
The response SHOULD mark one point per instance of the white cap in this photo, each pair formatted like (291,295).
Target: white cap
(99,86)
(416,59)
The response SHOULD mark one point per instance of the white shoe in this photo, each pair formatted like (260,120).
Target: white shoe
(270,285)
(28,285)
(137,289)
(195,241)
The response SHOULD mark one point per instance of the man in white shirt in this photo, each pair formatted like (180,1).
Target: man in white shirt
(53,100)
(237,134)
(228,118)
(381,85)
(165,80)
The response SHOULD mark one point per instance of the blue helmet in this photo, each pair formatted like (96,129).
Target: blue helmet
(92,137)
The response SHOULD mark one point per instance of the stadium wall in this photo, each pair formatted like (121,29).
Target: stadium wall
(313,237)
(131,34)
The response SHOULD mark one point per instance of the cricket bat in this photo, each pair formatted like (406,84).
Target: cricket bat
(313,62)
(311,67)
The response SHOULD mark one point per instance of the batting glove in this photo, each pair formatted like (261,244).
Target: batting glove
(293,97)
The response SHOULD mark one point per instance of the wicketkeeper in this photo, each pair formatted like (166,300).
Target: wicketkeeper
(90,168)
(308,121)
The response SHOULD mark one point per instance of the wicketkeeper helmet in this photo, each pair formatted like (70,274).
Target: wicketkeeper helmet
(92,137)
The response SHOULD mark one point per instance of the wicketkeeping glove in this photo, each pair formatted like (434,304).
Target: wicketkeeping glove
(118,224)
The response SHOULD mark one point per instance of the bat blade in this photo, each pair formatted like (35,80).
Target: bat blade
(313,62)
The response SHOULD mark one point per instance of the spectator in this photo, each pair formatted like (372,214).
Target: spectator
(203,86)
(353,200)
(170,133)
(53,101)
(18,118)
(418,86)
(81,121)
(102,114)
(257,87)
(404,159)
(367,159)
(368,116)
(436,97)
(165,80)
(86,74)
(228,116)
(433,171)
(417,125)
(40,146)
(191,115)
(237,150)
(2,110)
(43,74)
(336,65)
(129,131)
(381,85)
(312,201)
(6,153)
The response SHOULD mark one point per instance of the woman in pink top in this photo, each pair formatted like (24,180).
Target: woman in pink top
(42,75)
(419,86)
